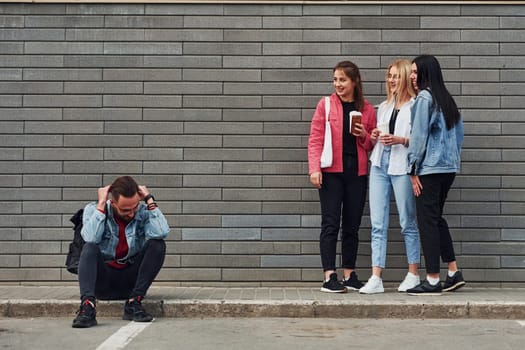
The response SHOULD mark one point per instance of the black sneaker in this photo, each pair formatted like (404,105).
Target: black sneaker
(454,282)
(353,283)
(425,288)
(333,285)
(86,314)
(133,311)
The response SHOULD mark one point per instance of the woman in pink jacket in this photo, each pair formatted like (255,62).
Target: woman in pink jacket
(343,185)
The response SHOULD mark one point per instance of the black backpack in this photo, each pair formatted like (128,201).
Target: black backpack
(75,247)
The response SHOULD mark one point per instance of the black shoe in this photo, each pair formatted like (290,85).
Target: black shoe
(333,285)
(425,288)
(86,314)
(133,311)
(353,283)
(454,282)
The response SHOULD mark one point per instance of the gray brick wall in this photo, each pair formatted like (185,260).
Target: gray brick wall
(209,106)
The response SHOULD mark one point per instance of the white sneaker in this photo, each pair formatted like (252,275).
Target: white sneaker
(409,282)
(374,285)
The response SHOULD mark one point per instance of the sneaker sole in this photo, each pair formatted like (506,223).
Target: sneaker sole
(140,321)
(326,290)
(454,287)
(426,294)
(403,290)
(88,325)
(372,292)
(126,317)
(352,288)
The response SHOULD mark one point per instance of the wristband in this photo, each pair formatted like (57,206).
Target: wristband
(148,197)
(152,205)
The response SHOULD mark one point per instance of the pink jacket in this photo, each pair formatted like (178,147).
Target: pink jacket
(316,139)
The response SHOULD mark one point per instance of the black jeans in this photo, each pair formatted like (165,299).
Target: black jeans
(433,228)
(349,191)
(97,279)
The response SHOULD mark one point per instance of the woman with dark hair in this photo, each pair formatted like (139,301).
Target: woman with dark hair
(433,161)
(342,185)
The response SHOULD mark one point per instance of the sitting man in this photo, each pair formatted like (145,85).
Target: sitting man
(124,250)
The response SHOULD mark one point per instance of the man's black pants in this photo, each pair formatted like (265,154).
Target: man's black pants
(97,279)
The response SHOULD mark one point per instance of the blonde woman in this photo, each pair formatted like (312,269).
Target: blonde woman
(388,173)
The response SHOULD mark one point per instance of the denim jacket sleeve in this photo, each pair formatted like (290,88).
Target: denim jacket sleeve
(155,224)
(459,134)
(93,224)
(420,120)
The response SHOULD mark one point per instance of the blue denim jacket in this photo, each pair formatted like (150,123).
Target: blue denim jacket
(147,224)
(433,149)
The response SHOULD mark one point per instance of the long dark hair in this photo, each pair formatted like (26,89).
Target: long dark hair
(429,77)
(352,71)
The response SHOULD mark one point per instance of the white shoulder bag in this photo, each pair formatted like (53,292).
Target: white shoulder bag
(327,154)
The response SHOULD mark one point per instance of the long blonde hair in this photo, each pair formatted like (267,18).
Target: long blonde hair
(405,88)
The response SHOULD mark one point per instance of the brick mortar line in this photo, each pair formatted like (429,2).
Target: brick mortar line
(278,2)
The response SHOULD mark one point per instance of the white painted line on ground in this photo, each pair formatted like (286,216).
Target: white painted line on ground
(123,336)
(522,323)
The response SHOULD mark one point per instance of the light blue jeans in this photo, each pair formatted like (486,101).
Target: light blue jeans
(381,185)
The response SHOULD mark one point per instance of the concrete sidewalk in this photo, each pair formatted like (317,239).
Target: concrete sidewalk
(162,301)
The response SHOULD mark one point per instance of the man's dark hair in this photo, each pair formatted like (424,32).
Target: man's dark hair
(124,186)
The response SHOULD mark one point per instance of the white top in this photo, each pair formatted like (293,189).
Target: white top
(398,154)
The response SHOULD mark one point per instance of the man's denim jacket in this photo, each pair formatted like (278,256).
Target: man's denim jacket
(147,224)
(433,148)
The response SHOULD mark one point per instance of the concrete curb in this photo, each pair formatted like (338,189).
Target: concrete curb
(271,308)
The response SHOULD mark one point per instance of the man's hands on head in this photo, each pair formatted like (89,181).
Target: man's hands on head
(103,194)
(143,192)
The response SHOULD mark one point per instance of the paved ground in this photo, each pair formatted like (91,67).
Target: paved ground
(163,301)
(263,334)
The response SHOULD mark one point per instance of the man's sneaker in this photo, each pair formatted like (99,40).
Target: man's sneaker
(409,282)
(374,285)
(86,314)
(133,311)
(353,283)
(333,285)
(454,282)
(425,288)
